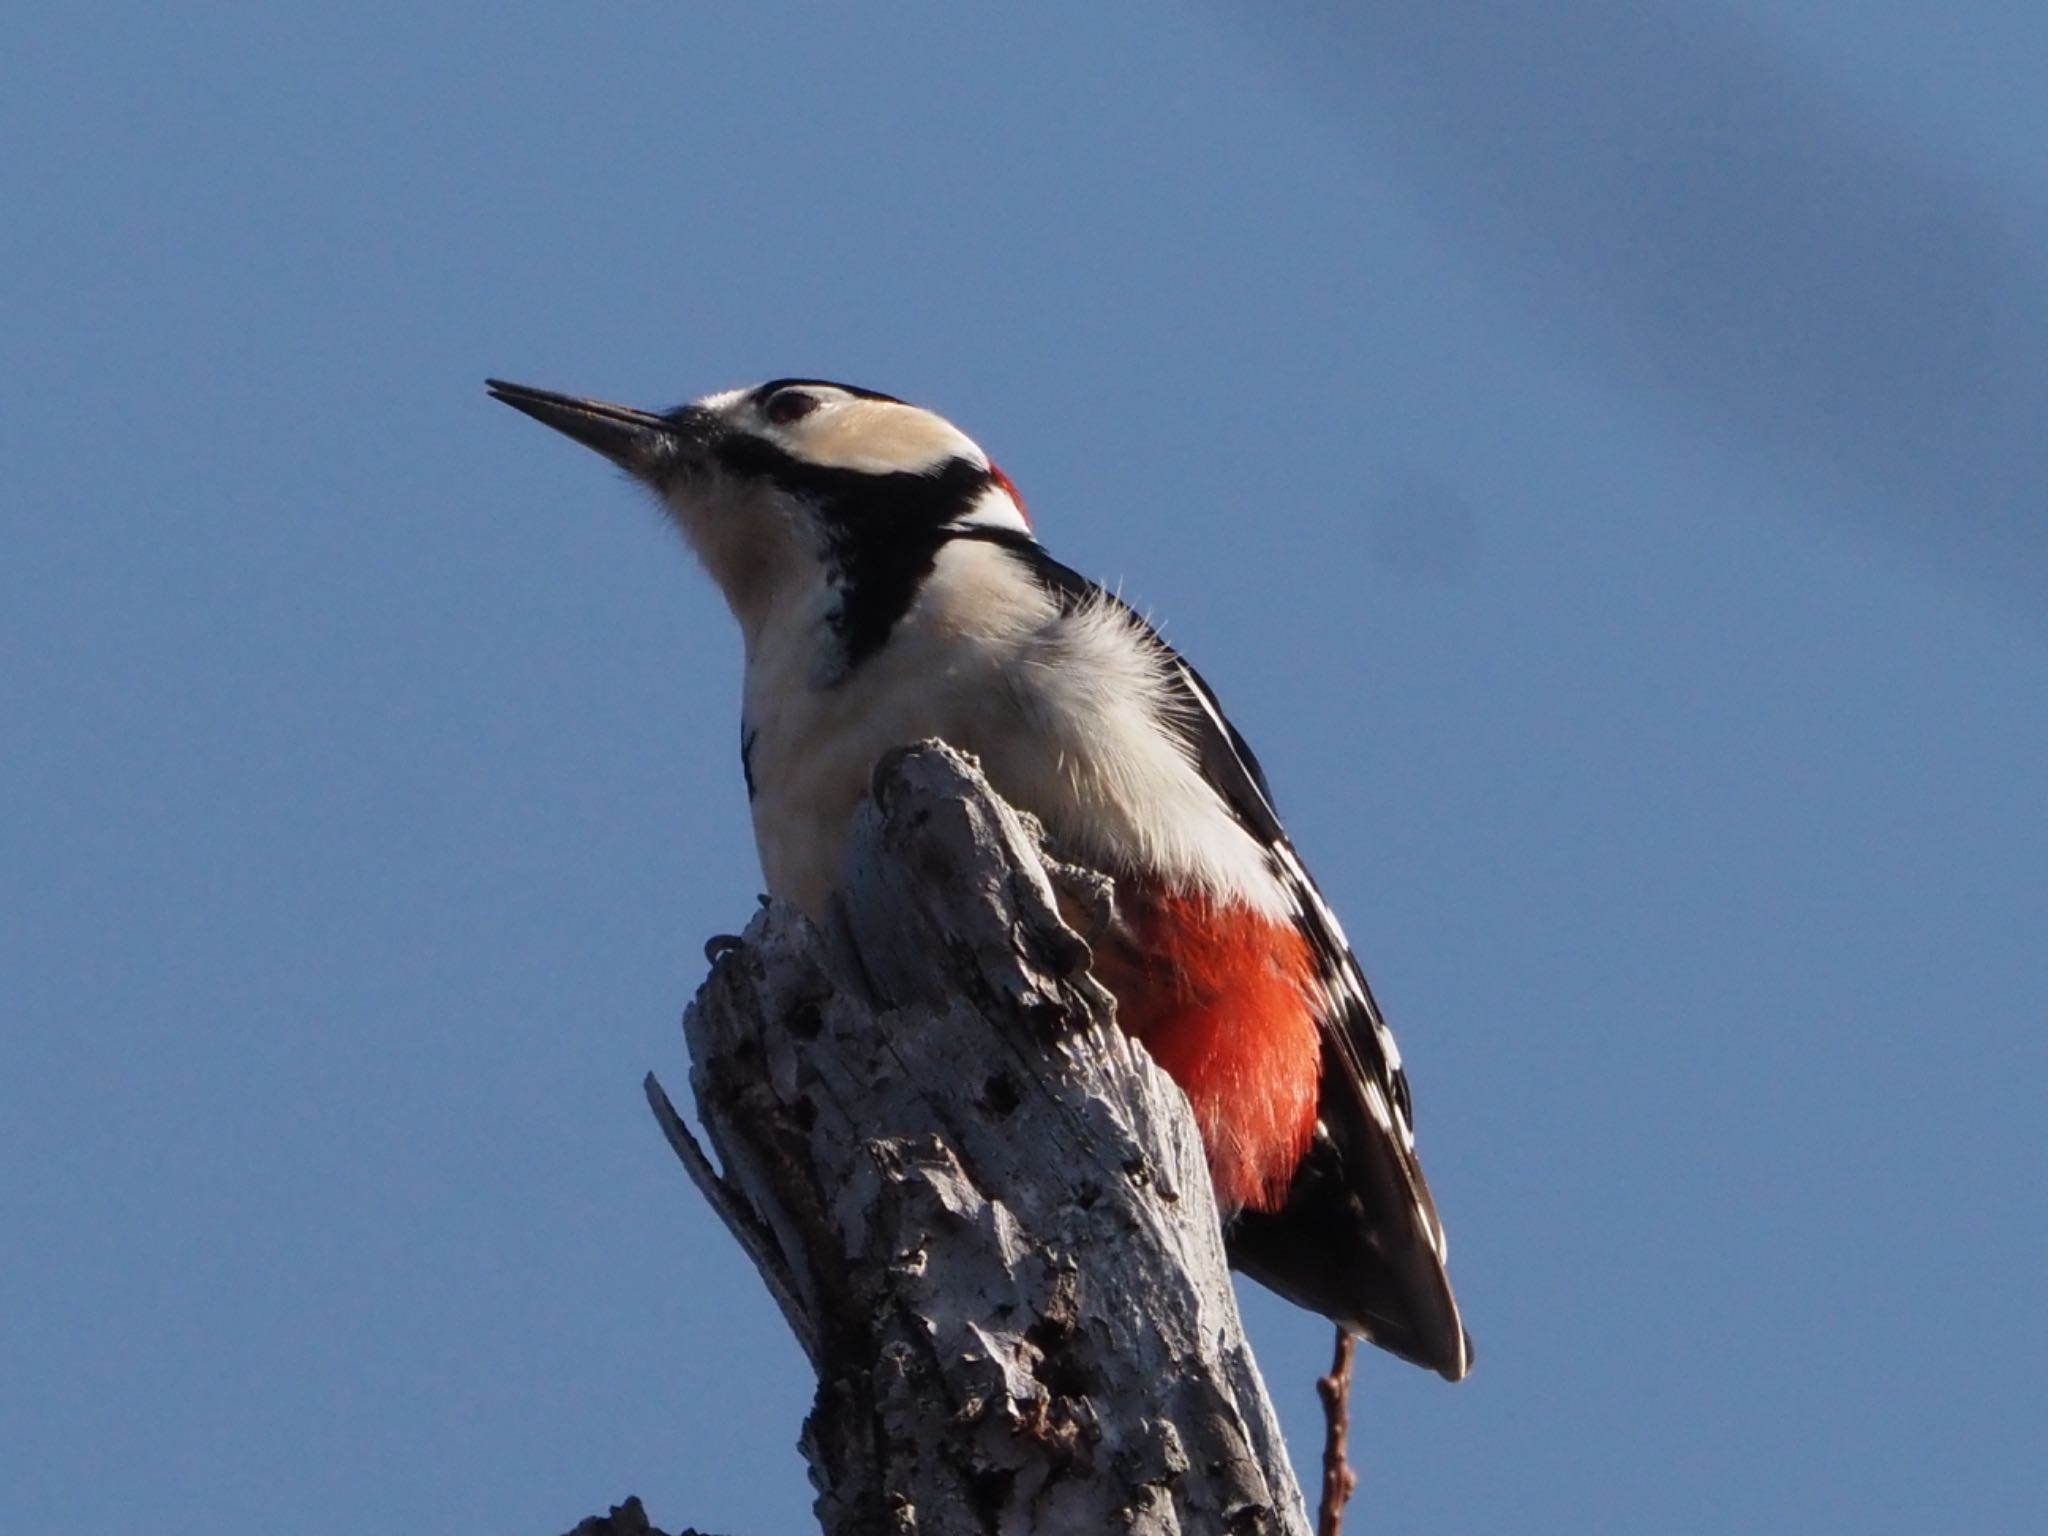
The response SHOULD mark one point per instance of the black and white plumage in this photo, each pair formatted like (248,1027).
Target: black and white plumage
(889,587)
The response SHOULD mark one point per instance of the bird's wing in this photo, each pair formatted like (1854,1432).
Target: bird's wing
(1361,1182)
(1359,1237)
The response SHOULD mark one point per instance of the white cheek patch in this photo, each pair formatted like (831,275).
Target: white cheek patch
(876,437)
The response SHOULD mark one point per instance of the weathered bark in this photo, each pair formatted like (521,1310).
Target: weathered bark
(627,1519)
(984,1212)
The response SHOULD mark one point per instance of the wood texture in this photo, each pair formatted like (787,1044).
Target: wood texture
(983,1211)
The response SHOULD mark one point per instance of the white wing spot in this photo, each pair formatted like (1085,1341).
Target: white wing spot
(1376,1101)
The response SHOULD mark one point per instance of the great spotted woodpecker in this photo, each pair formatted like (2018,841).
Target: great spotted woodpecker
(889,588)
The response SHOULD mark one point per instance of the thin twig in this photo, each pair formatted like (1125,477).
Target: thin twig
(1338,1478)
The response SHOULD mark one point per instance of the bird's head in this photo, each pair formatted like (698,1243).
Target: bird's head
(796,483)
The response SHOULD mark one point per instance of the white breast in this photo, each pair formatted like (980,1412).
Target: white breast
(1062,710)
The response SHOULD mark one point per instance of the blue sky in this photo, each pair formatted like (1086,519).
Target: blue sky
(1596,452)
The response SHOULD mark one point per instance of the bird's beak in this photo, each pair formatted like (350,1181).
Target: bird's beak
(637,441)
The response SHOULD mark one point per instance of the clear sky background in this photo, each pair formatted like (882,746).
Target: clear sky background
(1597,452)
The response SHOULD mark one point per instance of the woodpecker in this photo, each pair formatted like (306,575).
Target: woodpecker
(889,587)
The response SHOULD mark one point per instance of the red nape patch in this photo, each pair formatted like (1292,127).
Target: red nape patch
(1010,490)
(1221,997)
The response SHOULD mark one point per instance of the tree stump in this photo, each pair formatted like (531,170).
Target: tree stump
(983,1210)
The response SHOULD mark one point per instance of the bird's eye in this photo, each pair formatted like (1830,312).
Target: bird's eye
(789,405)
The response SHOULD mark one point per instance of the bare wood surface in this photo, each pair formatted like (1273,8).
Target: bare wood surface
(984,1212)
